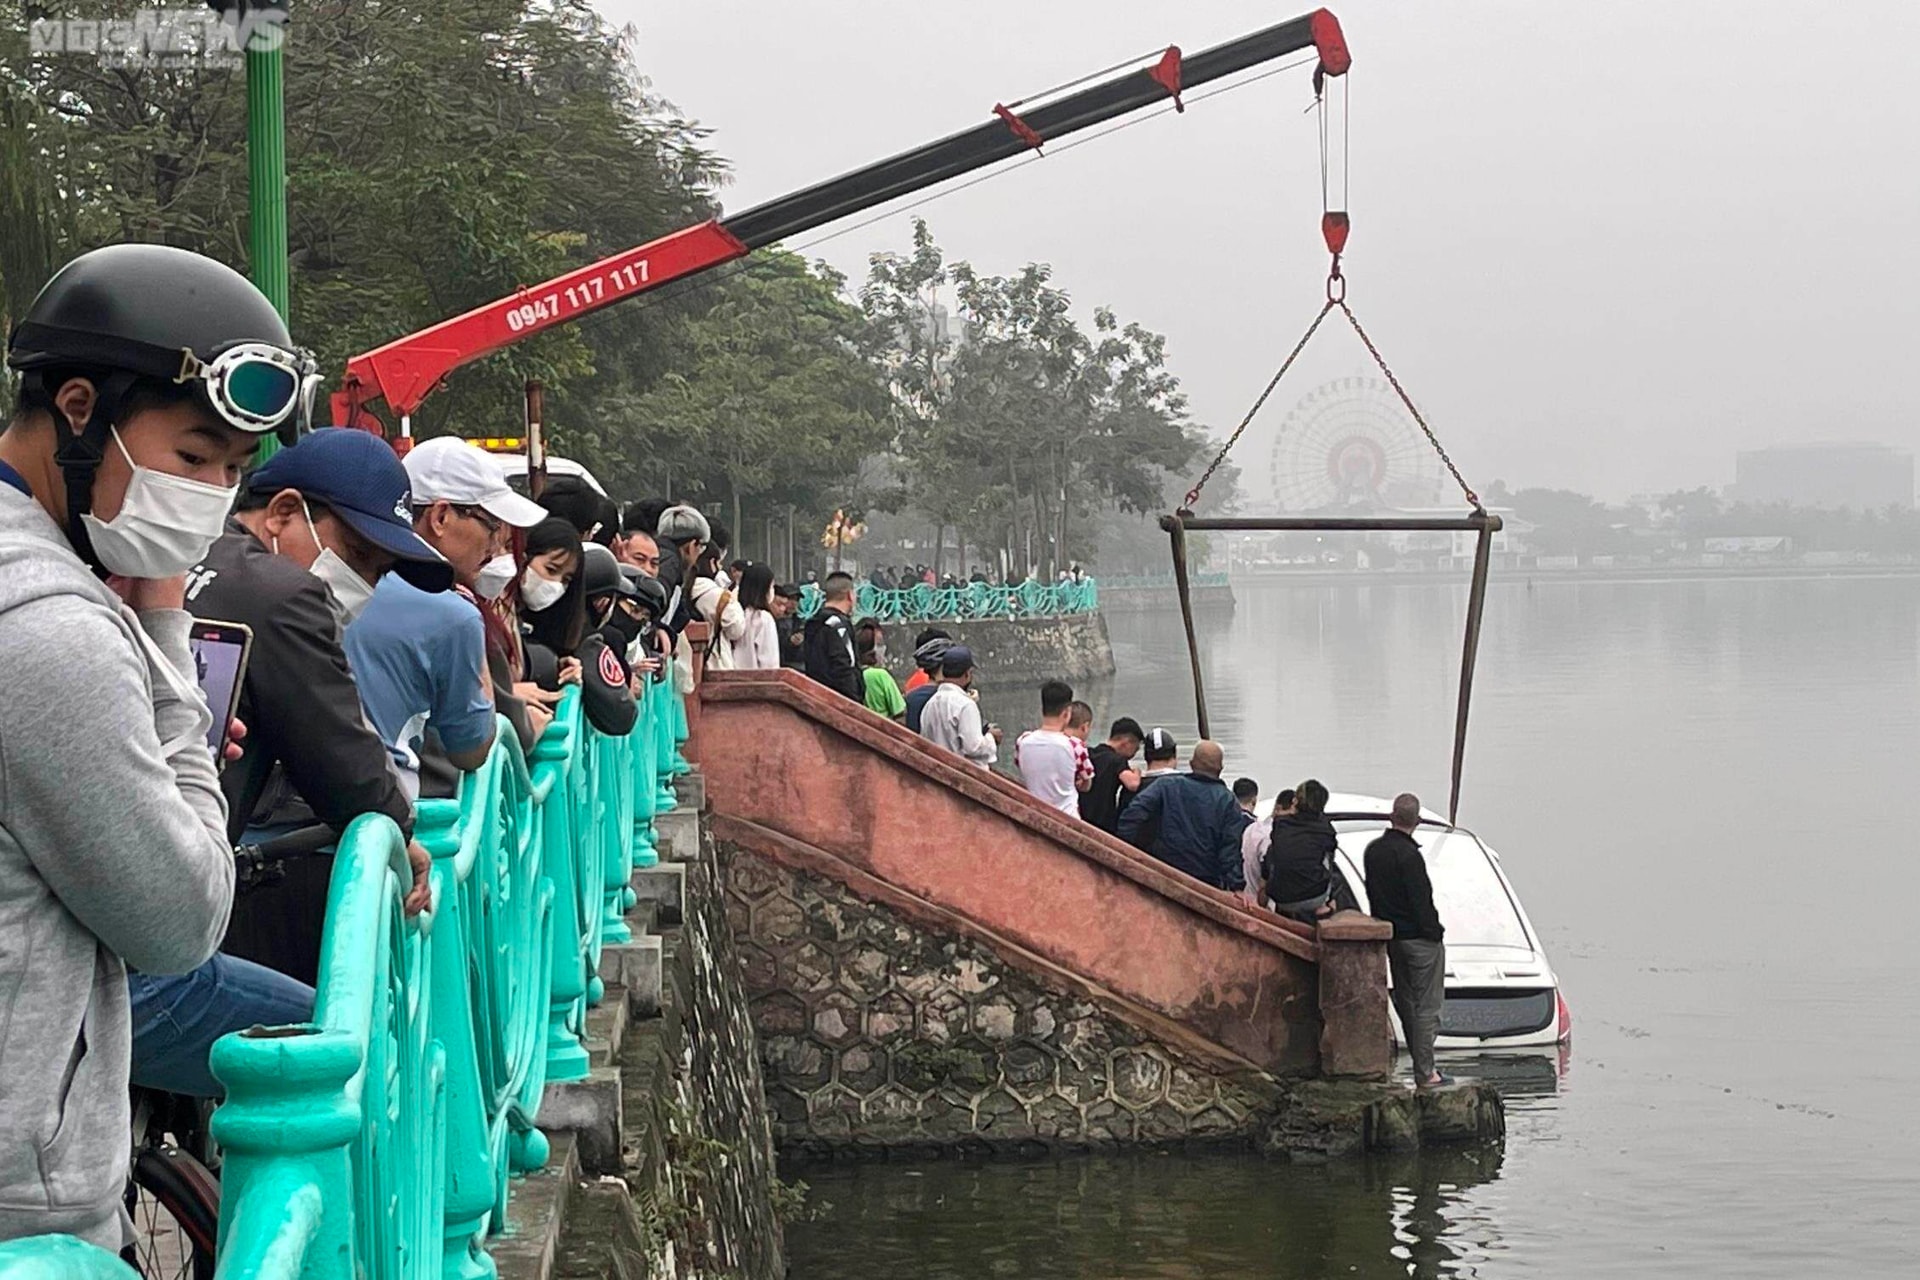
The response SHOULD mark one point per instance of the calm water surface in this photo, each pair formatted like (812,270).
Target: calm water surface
(1705,793)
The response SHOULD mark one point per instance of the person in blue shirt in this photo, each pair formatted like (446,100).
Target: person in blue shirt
(420,658)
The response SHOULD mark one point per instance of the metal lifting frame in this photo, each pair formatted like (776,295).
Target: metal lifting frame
(1480,523)
(404,372)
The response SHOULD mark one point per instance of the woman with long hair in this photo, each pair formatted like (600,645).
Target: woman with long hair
(552,607)
(759,650)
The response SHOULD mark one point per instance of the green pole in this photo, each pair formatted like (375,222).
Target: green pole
(267,171)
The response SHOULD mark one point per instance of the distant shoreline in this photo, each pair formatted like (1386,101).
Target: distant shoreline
(1531,576)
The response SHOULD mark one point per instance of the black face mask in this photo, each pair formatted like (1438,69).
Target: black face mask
(627,627)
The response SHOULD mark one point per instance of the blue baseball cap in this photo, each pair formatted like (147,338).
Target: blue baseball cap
(359,477)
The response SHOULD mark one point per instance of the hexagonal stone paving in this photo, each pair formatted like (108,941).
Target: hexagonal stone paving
(874,1029)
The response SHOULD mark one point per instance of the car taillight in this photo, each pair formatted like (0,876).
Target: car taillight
(1566,1017)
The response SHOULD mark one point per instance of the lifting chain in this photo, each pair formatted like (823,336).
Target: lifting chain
(1473,499)
(1336,297)
(1193,494)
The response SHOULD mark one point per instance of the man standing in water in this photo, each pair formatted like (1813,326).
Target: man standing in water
(1401,894)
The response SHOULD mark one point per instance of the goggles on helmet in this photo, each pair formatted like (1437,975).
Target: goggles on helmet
(256,386)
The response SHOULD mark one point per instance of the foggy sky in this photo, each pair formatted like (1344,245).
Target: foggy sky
(1604,244)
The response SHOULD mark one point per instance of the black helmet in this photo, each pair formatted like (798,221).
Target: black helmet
(647,592)
(132,311)
(170,315)
(600,573)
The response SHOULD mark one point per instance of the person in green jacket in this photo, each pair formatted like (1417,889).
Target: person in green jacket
(882,693)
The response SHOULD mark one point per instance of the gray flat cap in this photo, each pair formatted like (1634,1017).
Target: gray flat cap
(683,524)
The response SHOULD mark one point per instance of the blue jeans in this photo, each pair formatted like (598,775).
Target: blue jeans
(177,1018)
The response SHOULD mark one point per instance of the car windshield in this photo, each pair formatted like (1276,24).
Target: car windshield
(1467,891)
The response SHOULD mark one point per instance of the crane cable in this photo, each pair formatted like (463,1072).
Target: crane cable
(1334,226)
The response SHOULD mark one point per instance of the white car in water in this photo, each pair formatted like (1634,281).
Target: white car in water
(1501,990)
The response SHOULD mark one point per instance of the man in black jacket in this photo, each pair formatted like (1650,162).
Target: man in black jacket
(829,644)
(294,567)
(295,561)
(793,632)
(1401,894)
(1197,819)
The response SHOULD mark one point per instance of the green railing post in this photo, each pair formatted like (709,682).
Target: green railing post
(563,838)
(469,1193)
(613,769)
(666,800)
(678,705)
(60,1258)
(646,790)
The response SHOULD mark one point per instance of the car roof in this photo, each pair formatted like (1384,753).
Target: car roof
(514,467)
(1351,806)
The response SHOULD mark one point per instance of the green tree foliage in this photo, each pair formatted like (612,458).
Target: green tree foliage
(1570,523)
(440,154)
(769,403)
(1015,425)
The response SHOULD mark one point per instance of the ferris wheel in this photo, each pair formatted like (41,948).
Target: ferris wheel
(1348,445)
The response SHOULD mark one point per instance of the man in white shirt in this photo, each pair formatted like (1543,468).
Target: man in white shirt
(1044,757)
(952,718)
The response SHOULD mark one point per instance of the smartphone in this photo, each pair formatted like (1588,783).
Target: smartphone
(220,652)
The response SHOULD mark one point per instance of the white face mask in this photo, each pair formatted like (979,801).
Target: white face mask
(165,525)
(538,592)
(493,577)
(351,592)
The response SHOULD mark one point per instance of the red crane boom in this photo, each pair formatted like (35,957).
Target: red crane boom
(404,372)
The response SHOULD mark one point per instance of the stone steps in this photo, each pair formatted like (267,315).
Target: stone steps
(576,1219)
(538,1205)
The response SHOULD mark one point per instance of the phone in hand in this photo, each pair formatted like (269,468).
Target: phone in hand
(220,651)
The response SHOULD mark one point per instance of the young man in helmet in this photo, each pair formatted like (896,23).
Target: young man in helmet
(149,375)
(606,675)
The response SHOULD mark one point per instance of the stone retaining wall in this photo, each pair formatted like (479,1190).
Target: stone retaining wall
(879,1034)
(696,1147)
(1069,648)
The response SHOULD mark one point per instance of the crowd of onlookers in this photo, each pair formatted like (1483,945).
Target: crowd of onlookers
(397,617)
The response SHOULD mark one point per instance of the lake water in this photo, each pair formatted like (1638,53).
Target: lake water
(1700,790)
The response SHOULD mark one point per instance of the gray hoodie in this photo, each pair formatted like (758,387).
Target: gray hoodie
(112,853)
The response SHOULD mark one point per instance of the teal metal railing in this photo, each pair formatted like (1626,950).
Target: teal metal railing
(378,1142)
(921,603)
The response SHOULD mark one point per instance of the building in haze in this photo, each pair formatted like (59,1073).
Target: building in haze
(1867,476)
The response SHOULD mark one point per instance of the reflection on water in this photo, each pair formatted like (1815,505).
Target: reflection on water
(1700,790)
(1152,1216)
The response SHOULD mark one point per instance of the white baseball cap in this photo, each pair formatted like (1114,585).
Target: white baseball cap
(448,469)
